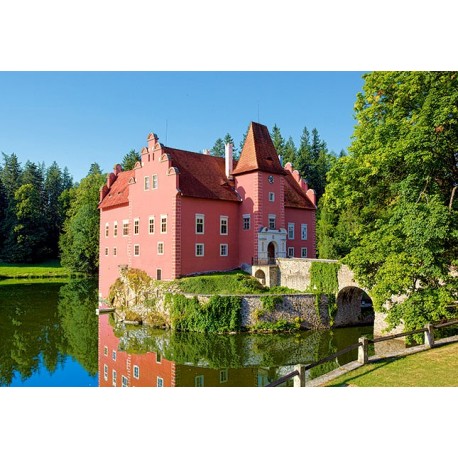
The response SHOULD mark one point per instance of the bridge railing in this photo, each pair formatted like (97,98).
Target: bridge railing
(299,374)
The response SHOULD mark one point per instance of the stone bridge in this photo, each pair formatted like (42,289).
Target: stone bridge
(354,305)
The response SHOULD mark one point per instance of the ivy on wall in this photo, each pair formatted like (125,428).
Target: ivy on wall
(324,280)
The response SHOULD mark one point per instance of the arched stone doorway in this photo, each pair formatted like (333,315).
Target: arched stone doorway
(261,276)
(271,251)
(354,307)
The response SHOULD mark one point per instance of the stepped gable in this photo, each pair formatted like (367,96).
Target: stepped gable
(258,153)
(294,195)
(201,175)
(118,194)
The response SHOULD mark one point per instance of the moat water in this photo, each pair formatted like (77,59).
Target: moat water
(51,336)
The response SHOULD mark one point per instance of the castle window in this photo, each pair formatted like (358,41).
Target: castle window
(114,377)
(115,229)
(199,380)
(125,227)
(159,382)
(163,224)
(106,251)
(136,226)
(223,249)
(271,197)
(113,355)
(147,183)
(246,222)
(124,380)
(105,372)
(136,250)
(291,231)
(158,274)
(199,249)
(223,225)
(107,230)
(158,358)
(151,225)
(136,372)
(154,181)
(303,231)
(105,350)
(290,252)
(223,376)
(272,219)
(115,251)
(200,221)
(160,247)
(303,252)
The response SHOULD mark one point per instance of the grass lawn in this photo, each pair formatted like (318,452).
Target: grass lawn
(48,269)
(437,367)
(235,282)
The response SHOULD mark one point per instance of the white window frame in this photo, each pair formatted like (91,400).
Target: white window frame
(274,219)
(224,247)
(159,382)
(290,252)
(154,184)
(225,220)
(146,182)
(151,224)
(302,252)
(124,381)
(125,228)
(246,222)
(163,224)
(136,226)
(291,228)
(105,350)
(223,376)
(160,248)
(113,355)
(115,229)
(106,251)
(114,377)
(105,372)
(197,249)
(115,251)
(136,372)
(107,230)
(271,196)
(304,231)
(158,358)
(200,221)
(137,250)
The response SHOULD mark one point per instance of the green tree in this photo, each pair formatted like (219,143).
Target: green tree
(290,152)
(392,198)
(79,242)
(218,148)
(278,140)
(130,159)
(27,240)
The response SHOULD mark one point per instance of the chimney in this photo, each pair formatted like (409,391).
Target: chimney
(228,156)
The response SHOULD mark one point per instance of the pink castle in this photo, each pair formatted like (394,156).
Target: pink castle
(179,213)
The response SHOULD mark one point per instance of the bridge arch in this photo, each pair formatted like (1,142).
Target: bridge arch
(261,276)
(354,307)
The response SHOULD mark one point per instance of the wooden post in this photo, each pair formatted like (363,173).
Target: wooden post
(429,336)
(299,380)
(363,350)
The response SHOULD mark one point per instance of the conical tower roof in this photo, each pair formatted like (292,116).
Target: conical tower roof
(258,153)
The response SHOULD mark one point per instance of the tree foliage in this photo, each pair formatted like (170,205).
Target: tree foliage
(389,209)
(79,243)
(130,159)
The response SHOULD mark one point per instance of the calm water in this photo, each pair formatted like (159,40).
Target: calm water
(51,336)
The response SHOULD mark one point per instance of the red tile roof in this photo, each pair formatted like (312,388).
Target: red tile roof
(258,152)
(119,191)
(294,195)
(201,175)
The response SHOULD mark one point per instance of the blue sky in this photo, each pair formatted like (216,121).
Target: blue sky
(77,118)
